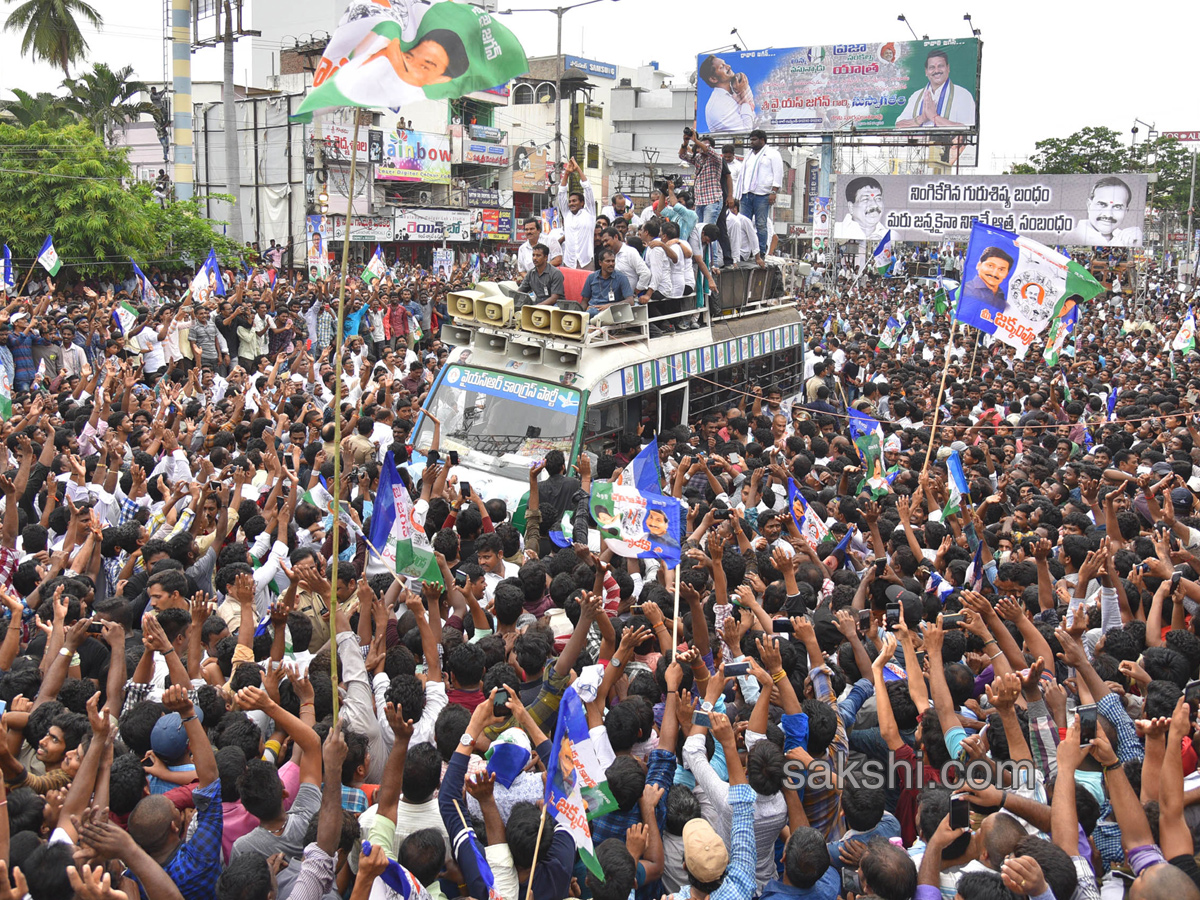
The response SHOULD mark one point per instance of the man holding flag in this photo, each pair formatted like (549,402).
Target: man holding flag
(1185,337)
(395,537)
(884,257)
(376,268)
(10,279)
(48,257)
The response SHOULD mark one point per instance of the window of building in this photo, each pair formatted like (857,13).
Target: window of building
(471,112)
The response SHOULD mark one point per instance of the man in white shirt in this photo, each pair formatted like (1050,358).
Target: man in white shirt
(659,259)
(533,237)
(942,104)
(743,239)
(730,106)
(620,207)
(729,154)
(758,184)
(629,261)
(578,210)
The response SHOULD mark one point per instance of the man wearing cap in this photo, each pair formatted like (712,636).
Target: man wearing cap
(715,871)
(169,741)
(156,825)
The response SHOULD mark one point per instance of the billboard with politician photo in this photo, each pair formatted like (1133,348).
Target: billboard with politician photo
(888,86)
(1061,210)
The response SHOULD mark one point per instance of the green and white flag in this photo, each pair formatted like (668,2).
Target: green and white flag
(401,542)
(124,316)
(375,268)
(957,483)
(48,257)
(891,334)
(941,303)
(387,54)
(1060,330)
(318,496)
(6,394)
(1016,286)
(1185,338)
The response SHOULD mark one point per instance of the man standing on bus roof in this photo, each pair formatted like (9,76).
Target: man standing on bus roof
(578,210)
(620,207)
(543,281)
(942,103)
(628,261)
(533,237)
(758,184)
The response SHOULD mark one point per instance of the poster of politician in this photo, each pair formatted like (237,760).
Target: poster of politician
(890,86)
(1060,210)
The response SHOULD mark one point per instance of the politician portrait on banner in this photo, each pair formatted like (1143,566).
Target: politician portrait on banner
(872,87)
(1060,210)
(864,221)
(941,103)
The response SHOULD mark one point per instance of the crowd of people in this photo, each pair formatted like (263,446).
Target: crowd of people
(987,695)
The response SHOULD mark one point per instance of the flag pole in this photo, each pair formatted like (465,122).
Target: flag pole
(337,422)
(675,621)
(974,350)
(537,845)
(28,275)
(938,403)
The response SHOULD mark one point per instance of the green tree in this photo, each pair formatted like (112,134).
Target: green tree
(1089,151)
(51,30)
(187,233)
(66,182)
(1173,163)
(1102,151)
(41,107)
(104,99)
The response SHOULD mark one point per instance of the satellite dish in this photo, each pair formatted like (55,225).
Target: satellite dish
(692,78)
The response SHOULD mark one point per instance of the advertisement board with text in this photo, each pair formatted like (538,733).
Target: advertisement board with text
(433,225)
(1068,210)
(891,86)
(415,156)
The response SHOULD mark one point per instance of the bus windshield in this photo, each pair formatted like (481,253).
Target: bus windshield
(499,422)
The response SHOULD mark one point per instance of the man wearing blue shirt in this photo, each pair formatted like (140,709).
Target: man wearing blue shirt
(605,286)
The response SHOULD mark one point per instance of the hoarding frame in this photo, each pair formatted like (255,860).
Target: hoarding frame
(971,131)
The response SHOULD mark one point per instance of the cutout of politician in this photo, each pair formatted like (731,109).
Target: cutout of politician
(864,221)
(942,103)
(991,270)
(1108,203)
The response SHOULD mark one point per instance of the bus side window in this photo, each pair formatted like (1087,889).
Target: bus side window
(604,422)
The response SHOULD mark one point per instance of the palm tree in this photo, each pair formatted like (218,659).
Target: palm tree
(51,32)
(102,98)
(42,107)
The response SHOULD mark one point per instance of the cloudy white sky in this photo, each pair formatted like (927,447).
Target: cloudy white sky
(1048,68)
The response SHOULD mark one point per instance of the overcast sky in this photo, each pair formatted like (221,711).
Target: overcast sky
(1048,68)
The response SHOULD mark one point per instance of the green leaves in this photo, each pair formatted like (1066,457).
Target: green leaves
(51,32)
(1102,151)
(103,97)
(66,182)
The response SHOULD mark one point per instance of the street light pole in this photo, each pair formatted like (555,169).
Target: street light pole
(1191,243)
(558,11)
(558,74)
